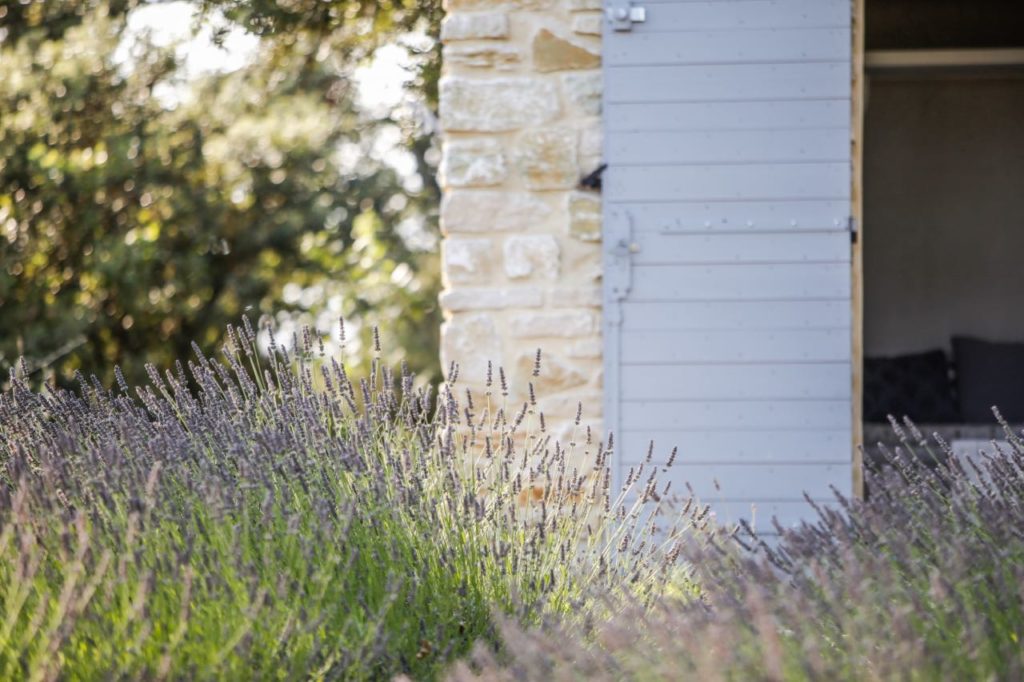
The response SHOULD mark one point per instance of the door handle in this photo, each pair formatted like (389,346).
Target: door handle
(623,248)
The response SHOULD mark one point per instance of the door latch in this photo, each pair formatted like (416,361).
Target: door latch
(622,14)
(618,267)
(624,248)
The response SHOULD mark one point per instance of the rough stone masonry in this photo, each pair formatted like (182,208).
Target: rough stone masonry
(520,111)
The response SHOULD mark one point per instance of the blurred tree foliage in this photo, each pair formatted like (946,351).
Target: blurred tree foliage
(131,226)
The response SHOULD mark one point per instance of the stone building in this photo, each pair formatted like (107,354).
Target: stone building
(792,186)
(520,107)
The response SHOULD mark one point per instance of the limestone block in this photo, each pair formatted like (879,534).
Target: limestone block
(591,150)
(585,217)
(467,260)
(561,323)
(564,407)
(556,373)
(497,104)
(586,348)
(575,297)
(472,163)
(584,5)
(591,154)
(548,159)
(491,211)
(583,92)
(470,340)
(581,262)
(551,53)
(532,256)
(451,5)
(475,26)
(489,298)
(494,56)
(587,24)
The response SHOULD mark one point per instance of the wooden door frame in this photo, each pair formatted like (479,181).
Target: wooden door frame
(856,257)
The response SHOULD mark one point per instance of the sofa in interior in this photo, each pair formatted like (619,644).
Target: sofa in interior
(952,396)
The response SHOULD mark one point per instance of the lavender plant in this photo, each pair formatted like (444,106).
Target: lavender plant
(922,581)
(265,516)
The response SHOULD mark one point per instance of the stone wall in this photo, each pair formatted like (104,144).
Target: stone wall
(520,111)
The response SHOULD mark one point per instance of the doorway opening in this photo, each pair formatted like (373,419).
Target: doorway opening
(943,248)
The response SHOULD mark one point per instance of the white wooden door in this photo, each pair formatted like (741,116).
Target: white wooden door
(727,278)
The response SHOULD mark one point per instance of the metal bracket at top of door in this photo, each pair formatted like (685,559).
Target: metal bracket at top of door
(622,14)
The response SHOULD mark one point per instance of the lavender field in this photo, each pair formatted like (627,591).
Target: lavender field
(263,516)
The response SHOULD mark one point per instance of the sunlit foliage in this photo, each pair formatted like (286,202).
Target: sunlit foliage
(140,210)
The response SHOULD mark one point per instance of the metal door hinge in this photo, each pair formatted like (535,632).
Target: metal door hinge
(622,14)
(851,225)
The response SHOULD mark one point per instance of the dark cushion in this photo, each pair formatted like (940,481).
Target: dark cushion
(917,385)
(989,373)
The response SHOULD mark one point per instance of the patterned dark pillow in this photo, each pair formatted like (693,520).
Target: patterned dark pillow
(989,373)
(918,386)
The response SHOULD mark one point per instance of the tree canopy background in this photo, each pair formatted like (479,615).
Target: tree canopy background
(133,222)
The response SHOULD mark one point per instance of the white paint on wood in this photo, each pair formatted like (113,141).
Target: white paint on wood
(761,115)
(727,133)
(728,146)
(735,346)
(764,215)
(726,46)
(729,446)
(743,282)
(735,315)
(770,247)
(742,15)
(730,382)
(725,82)
(735,182)
(740,415)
